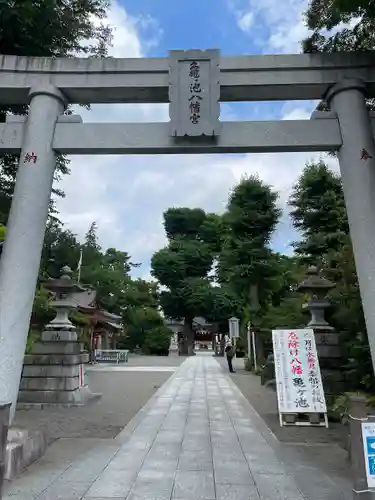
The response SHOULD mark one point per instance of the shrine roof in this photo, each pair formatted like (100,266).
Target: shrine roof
(86,302)
(86,298)
(197,321)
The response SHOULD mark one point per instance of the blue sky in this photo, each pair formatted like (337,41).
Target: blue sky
(126,195)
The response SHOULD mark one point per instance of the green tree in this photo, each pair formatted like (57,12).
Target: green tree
(318,212)
(184,265)
(356,18)
(108,272)
(139,322)
(246,262)
(61,248)
(47,28)
(157,341)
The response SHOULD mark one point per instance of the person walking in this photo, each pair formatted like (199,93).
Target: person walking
(229,352)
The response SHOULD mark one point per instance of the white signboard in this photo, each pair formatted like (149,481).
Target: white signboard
(298,379)
(368,436)
(234,328)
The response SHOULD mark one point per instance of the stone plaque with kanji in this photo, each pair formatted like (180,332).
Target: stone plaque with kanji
(194,93)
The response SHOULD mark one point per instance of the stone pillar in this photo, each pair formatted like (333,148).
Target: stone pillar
(358,414)
(106,341)
(99,344)
(19,265)
(4,419)
(173,345)
(357,166)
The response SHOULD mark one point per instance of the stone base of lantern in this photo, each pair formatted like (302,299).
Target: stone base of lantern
(331,362)
(54,374)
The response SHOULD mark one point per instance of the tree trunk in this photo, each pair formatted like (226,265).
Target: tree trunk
(260,349)
(222,344)
(188,337)
(91,346)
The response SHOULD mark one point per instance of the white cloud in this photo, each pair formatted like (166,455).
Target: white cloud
(127,40)
(245,21)
(127,195)
(275,26)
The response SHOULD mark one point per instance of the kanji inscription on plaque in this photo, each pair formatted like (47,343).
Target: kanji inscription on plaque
(194,92)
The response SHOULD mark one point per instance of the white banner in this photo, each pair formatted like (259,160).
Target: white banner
(368,436)
(298,379)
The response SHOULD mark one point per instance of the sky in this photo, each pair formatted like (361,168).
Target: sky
(127,195)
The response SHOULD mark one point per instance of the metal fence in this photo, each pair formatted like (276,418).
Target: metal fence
(111,356)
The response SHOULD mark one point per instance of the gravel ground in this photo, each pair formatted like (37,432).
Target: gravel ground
(123,395)
(320,446)
(264,400)
(139,360)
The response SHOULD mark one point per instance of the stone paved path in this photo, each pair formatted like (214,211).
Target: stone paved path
(197,439)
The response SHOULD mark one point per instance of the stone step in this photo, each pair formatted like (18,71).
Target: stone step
(77,397)
(56,359)
(49,383)
(56,348)
(51,371)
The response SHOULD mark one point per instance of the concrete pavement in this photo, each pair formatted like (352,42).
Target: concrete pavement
(196,439)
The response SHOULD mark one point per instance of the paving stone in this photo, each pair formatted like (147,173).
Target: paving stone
(195,460)
(197,485)
(62,490)
(203,431)
(169,437)
(265,458)
(233,473)
(78,474)
(196,443)
(227,456)
(273,487)
(164,451)
(315,485)
(32,484)
(150,474)
(170,464)
(18,497)
(113,483)
(258,467)
(126,459)
(236,492)
(197,436)
(159,489)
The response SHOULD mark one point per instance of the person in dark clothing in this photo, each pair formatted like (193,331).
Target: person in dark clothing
(229,351)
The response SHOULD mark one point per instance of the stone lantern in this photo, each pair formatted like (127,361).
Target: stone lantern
(316,287)
(327,339)
(63,288)
(54,373)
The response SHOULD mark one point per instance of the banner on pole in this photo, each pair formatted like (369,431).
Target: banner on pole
(298,378)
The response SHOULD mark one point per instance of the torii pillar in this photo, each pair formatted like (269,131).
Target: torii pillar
(19,265)
(357,166)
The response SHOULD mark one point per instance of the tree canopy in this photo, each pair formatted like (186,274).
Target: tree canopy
(183,268)
(246,262)
(318,212)
(340,25)
(47,28)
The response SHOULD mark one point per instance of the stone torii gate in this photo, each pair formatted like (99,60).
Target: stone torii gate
(193,82)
